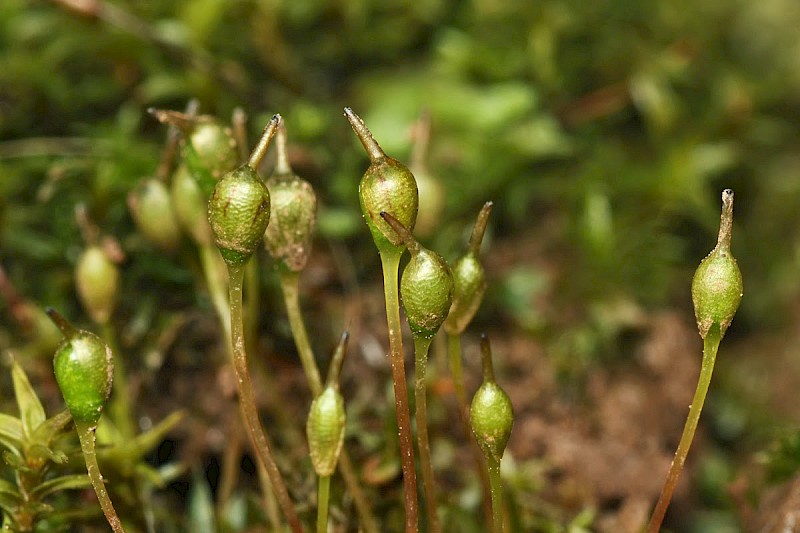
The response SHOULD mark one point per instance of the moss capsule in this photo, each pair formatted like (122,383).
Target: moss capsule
(469,278)
(84,368)
(717,284)
(387,186)
(151,207)
(290,233)
(239,207)
(97,282)
(426,287)
(491,413)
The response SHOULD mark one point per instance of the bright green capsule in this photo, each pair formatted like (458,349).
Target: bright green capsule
(387,186)
(326,419)
(290,233)
(717,284)
(491,413)
(469,277)
(426,287)
(239,207)
(84,369)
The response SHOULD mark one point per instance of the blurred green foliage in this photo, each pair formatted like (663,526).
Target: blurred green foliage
(603,131)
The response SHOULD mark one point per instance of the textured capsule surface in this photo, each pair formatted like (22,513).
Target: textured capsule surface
(84,369)
(325,430)
(290,233)
(97,281)
(469,280)
(426,289)
(492,417)
(388,186)
(238,212)
(716,290)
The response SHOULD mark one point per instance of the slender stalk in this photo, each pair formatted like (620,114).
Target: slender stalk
(323,494)
(390,261)
(710,347)
(291,297)
(497,495)
(247,400)
(454,354)
(251,301)
(421,346)
(213,271)
(87,438)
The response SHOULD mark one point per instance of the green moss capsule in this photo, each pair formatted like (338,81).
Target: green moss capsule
(151,207)
(239,207)
(387,186)
(426,287)
(97,282)
(84,368)
(717,284)
(491,413)
(469,277)
(326,419)
(290,233)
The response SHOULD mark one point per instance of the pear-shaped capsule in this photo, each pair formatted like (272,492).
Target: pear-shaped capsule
(387,186)
(239,207)
(97,282)
(290,233)
(717,284)
(84,369)
(426,287)
(491,413)
(469,278)
(151,207)
(326,419)
(209,148)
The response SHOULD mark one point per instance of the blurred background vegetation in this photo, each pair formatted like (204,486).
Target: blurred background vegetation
(603,131)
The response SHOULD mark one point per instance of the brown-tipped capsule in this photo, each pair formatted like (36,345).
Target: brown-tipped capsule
(326,419)
(97,282)
(239,208)
(717,284)
(84,369)
(150,204)
(290,233)
(426,287)
(210,147)
(491,413)
(387,186)
(469,277)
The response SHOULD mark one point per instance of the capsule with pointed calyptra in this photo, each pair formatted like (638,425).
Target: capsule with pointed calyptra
(239,207)
(469,277)
(387,186)
(426,287)
(97,282)
(209,148)
(290,233)
(717,284)
(84,368)
(326,419)
(491,413)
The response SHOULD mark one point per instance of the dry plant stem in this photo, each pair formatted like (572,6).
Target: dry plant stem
(323,494)
(291,296)
(710,347)
(390,261)
(421,347)
(497,495)
(268,499)
(247,401)
(454,354)
(87,438)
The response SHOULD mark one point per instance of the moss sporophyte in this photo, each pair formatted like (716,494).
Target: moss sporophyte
(716,293)
(84,369)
